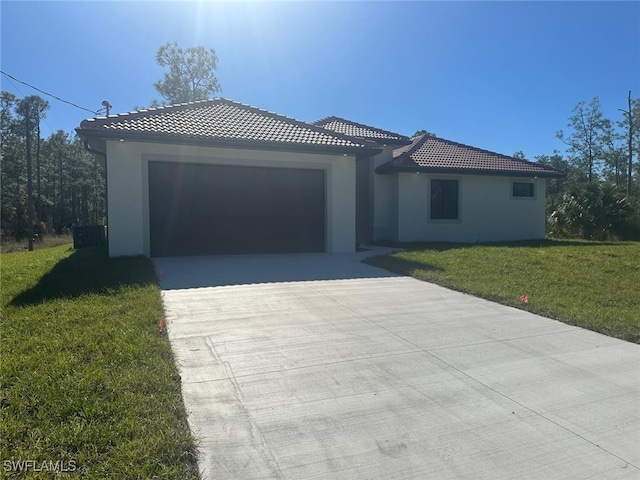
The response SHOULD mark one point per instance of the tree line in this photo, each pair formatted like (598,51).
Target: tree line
(48,184)
(599,198)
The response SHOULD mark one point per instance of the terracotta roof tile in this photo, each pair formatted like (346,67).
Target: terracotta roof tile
(221,120)
(347,127)
(434,154)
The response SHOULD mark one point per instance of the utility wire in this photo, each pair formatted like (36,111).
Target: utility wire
(16,87)
(49,94)
(20,92)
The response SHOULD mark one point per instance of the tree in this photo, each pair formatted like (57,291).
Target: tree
(631,124)
(7,122)
(13,171)
(519,154)
(555,160)
(33,109)
(39,108)
(555,186)
(191,73)
(25,108)
(587,141)
(614,159)
(419,133)
(56,150)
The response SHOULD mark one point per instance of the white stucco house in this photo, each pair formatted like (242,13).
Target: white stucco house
(221,177)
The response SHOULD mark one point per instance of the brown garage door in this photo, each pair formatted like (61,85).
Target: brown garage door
(214,209)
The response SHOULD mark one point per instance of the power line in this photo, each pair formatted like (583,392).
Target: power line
(20,92)
(16,87)
(49,94)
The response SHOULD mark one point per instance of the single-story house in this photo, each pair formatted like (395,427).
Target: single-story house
(221,177)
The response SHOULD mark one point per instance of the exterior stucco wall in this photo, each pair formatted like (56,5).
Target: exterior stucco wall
(486,210)
(385,199)
(128,188)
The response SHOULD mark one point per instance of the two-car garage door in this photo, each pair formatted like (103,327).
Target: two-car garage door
(197,209)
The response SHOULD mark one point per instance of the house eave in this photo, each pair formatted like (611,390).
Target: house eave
(387,169)
(113,135)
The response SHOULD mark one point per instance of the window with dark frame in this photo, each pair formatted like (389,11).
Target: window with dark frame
(444,199)
(522,189)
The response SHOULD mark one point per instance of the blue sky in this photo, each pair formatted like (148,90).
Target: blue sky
(497,75)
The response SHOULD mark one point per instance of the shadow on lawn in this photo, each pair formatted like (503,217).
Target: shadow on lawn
(399,265)
(85,271)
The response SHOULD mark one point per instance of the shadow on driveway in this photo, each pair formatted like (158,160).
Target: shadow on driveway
(214,271)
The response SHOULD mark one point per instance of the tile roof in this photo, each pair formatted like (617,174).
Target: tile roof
(222,121)
(434,154)
(359,130)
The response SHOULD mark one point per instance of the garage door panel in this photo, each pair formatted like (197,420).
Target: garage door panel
(212,209)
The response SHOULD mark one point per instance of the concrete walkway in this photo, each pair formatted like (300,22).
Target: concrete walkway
(318,366)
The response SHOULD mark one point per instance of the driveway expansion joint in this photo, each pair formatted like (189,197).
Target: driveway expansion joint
(258,439)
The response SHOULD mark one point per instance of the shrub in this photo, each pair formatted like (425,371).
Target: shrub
(595,211)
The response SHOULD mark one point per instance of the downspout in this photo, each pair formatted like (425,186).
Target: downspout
(106,186)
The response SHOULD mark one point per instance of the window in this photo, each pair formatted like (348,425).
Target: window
(444,199)
(522,189)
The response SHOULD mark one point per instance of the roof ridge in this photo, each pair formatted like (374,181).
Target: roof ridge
(415,144)
(360,125)
(324,119)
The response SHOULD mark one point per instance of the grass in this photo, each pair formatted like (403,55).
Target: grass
(9,245)
(594,285)
(85,375)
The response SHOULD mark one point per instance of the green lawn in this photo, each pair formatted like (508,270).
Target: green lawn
(595,285)
(86,378)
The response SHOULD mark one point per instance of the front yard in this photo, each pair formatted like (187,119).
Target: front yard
(595,285)
(86,379)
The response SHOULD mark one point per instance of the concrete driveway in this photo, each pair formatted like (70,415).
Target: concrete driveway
(318,366)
